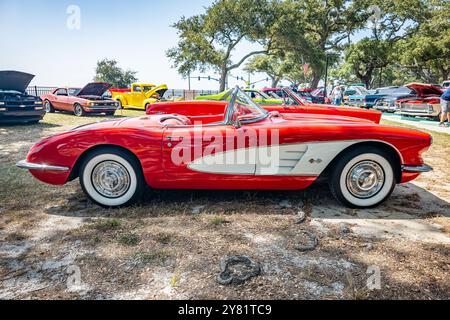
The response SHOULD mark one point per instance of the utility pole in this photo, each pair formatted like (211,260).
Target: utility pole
(326,79)
(189,81)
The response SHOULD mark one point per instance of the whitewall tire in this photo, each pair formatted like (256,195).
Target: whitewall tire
(111,178)
(363,178)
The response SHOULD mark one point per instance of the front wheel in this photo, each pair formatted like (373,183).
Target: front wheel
(48,107)
(112,178)
(78,110)
(363,178)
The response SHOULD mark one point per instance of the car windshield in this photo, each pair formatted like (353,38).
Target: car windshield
(257,94)
(10,91)
(385,90)
(305,94)
(295,96)
(273,94)
(73,91)
(361,91)
(148,88)
(242,106)
(403,90)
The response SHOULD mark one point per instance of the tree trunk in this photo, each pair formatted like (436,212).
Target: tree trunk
(275,81)
(316,79)
(223,79)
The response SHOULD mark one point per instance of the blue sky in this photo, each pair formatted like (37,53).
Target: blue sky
(35,38)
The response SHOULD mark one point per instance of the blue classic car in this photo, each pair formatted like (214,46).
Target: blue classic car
(367,99)
(389,103)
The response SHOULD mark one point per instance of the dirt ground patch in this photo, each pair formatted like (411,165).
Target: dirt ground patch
(54,244)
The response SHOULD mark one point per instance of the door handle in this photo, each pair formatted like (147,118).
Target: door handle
(174,139)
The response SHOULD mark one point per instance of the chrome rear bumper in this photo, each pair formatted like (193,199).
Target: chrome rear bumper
(421,169)
(38,166)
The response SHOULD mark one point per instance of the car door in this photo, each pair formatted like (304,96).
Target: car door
(60,99)
(137,96)
(193,152)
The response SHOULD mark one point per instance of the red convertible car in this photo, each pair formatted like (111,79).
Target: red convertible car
(231,144)
(427,103)
(81,101)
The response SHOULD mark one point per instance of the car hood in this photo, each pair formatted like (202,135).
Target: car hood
(15,80)
(394,97)
(94,89)
(425,89)
(160,90)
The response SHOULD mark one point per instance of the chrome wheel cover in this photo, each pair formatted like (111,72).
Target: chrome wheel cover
(365,179)
(78,110)
(111,179)
(47,106)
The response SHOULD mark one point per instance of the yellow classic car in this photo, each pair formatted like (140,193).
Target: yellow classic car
(139,95)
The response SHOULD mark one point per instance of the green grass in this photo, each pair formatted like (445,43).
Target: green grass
(60,118)
(163,238)
(153,256)
(438,137)
(106,225)
(129,239)
(217,221)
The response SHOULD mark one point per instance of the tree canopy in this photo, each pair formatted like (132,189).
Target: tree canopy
(379,41)
(109,71)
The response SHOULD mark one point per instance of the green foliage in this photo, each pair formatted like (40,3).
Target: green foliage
(406,40)
(129,239)
(366,56)
(275,67)
(108,71)
(426,53)
(106,225)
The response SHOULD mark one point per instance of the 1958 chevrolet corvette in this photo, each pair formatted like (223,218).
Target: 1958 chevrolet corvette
(231,144)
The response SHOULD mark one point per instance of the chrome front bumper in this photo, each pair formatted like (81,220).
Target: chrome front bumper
(419,169)
(38,166)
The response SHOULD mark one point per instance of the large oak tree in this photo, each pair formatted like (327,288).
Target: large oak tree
(208,40)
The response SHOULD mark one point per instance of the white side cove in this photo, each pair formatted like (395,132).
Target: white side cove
(303,159)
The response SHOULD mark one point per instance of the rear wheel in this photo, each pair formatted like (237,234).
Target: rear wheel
(78,110)
(112,178)
(48,107)
(363,178)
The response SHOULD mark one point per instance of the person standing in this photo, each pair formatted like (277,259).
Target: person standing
(445,104)
(338,95)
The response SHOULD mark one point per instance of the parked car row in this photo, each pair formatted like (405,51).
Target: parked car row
(414,99)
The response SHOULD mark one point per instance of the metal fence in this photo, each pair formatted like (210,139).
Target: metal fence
(39,91)
(170,94)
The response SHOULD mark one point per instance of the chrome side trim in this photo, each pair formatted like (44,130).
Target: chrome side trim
(36,166)
(421,169)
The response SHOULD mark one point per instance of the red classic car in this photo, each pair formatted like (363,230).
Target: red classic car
(425,104)
(231,144)
(81,101)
